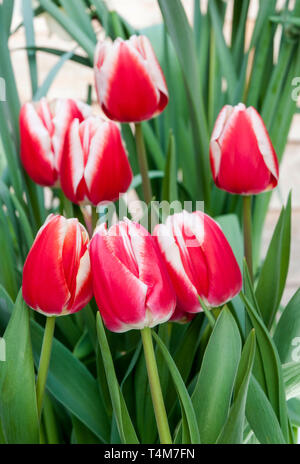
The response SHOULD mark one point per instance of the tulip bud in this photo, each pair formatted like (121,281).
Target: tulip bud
(242,157)
(130,280)
(199,260)
(43,128)
(94,166)
(129,81)
(57,273)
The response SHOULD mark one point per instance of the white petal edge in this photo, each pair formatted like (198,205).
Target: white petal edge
(76,155)
(36,129)
(264,144)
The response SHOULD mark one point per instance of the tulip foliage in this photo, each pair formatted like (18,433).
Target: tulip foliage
(164,326)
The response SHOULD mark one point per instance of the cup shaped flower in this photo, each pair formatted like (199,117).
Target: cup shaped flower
(130,281)
(57,272)
(43,129)
(129,81)
(94,166)
(242,157)
(199,260)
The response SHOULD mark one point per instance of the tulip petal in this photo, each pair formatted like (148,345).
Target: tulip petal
(72,165)
(242,168)
(215,149)
(129,94)
(187,296)
(71,254)
(107,160)
(264,142)
(160,300)
(36,148)
(120,295)
(83,291)
(66,110)
(224,275)
(199,260)
(143,44)
(44,285)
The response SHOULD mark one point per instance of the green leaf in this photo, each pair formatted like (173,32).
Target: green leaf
(6,10)
(169,188)
(271,366)
(153,146)
(225,56)
(44,88)
(18,408)
(125,427)
(102,13)
(82,434)
(30,42)
(6,307)
(287,333)
(83,347)
(212,395)
(232,432)
(232,230)
(184,397)
(187,348)
(176,20)
(79,13)
(71,27)
(23,222)
(261,416)
(57,52)
(70,382)
(8,260)
(129,140)
(69,330)
(273,275)
(137,180)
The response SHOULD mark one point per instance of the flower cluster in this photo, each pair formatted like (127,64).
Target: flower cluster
(139,280)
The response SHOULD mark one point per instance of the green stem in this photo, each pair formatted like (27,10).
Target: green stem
(247,215)
(155,388)
(51,431)
(95,217)
(207,313)
(44,363)
(68,207)
(143,163)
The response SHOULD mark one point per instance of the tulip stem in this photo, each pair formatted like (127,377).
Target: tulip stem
(44,363)
(95,217)
(155,388)
(247,202)
(68,207)
(143,163)
(207,313)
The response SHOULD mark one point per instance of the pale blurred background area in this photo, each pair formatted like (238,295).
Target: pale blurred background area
(73,81)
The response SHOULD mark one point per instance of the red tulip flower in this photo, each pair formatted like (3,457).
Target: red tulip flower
(199,260)
(94,166)
(130,83)
(57,272)
(130,280)
(43,129)
(242,157)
